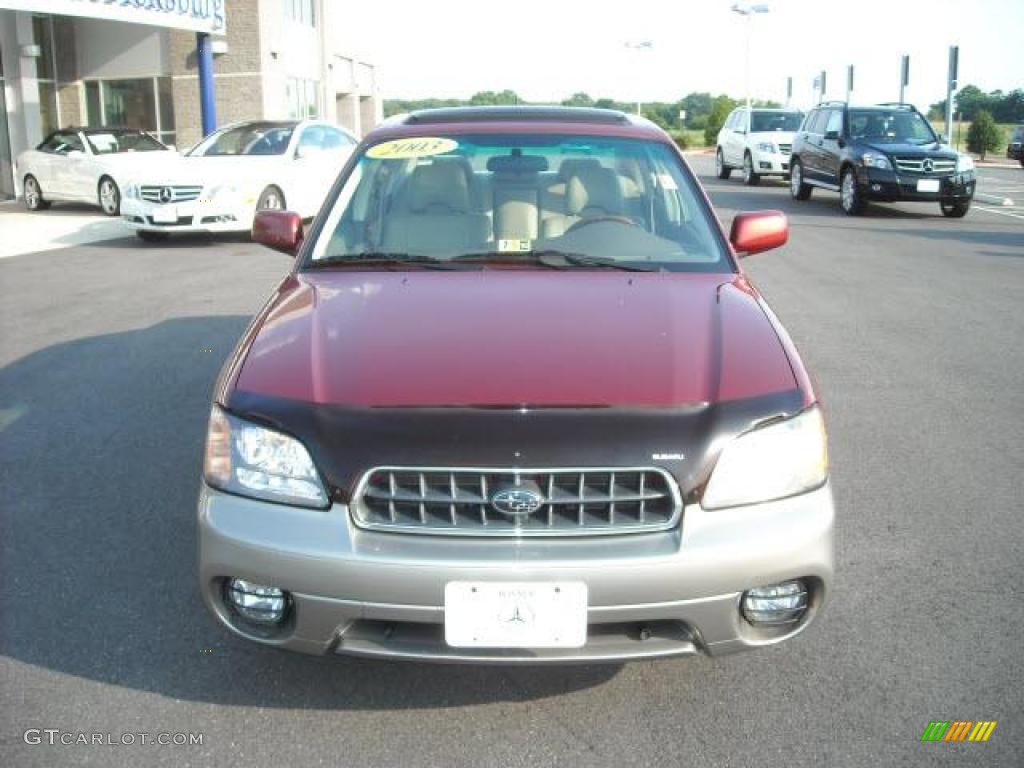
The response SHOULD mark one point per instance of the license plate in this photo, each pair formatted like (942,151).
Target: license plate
(515,614)
(167,214)
(927,185)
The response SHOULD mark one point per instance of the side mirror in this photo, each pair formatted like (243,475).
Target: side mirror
(832,135)
(172,148)
(758,231)
(943,139)
(280,230)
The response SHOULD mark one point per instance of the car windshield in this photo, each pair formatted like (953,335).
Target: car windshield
(775,121)
(113,142)
(248,139)
(561,201)
(892,127)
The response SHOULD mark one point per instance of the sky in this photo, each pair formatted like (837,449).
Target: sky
(545,50)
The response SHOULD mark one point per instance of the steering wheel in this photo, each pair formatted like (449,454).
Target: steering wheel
(594,220)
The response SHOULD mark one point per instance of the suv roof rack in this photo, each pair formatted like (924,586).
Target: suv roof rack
(832,103)
(902,104)
(517,114)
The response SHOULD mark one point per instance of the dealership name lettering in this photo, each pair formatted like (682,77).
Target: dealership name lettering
(196,9)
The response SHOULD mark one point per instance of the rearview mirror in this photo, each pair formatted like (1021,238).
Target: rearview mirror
(280,230)
(758,231)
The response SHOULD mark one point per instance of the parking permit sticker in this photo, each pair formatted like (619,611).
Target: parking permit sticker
(513,246)
(404,149)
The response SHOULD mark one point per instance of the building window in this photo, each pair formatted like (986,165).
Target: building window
(301,11)
(144,104)
(302,97)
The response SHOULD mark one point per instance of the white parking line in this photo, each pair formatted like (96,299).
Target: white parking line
(1000,212)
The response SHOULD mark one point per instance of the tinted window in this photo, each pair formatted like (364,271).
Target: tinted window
(113,142)
(835,122)
(816,122)
(62,142)
(775,121)
(247,139)
(890,126)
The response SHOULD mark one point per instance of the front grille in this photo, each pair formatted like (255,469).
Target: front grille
(785,149)
(916,165)
(178,194)
(458,501)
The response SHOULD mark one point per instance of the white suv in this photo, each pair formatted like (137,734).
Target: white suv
(759,145)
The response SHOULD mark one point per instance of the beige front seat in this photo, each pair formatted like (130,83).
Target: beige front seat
(592,191)
(435,215)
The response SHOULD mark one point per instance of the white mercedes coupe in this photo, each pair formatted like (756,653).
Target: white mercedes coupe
(87,165)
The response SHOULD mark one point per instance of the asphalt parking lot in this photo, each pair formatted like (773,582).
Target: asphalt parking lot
(912,324)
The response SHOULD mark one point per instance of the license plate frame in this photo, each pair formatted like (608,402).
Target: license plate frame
(515,614)
(928,185)
(165,214)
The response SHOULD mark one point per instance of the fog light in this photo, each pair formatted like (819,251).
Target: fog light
(876,187)
(783,603)
(255,602)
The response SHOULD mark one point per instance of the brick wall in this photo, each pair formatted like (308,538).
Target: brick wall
(69,102)
(237,81)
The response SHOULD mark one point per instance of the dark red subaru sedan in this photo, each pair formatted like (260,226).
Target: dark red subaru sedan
(516,402)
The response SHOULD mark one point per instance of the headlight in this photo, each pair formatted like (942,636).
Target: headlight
(782,459)
(223,190)
(766,146)
(875,160)
(132,192)
(251,460)
(964,163)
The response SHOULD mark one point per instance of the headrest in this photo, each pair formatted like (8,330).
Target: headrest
(441,187)
(518,165)
(593,190)
(570,165)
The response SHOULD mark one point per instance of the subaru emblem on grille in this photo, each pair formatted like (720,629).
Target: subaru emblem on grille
(166,194)
(517,502)
(928,166)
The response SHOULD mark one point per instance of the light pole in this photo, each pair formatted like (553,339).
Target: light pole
(748,11)
(641,45)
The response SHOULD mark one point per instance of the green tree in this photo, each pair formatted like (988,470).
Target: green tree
(984,135)
(494,98)
(579,99)
(720,109)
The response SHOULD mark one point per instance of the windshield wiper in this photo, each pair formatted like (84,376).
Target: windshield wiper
(556,260)
(382,259)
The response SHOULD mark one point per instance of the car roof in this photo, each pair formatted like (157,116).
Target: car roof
(525,118)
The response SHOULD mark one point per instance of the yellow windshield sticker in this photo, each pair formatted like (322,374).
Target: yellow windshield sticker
(513,246)
(404,149)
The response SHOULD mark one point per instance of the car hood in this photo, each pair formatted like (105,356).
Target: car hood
(902,149)
(208,171)
(775,137)
(511,337)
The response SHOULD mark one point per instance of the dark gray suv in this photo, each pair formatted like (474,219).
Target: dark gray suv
(886,152)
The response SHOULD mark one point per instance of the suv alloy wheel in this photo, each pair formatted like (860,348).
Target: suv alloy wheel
(850,196)
(749,177)
(722,170)
(797,188)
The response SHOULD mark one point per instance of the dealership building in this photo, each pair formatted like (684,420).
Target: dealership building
(172,67)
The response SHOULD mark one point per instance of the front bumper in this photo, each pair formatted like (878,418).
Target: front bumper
(893,186)
(377,594)
(193,216)
(770,164)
